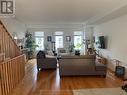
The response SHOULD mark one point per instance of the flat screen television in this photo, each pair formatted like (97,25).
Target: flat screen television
(101,42)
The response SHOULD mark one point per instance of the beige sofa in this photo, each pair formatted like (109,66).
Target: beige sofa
(80,65)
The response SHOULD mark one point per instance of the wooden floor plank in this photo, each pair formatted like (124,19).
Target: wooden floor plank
(49,83)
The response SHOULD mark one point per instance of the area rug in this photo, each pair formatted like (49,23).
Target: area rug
(100,91)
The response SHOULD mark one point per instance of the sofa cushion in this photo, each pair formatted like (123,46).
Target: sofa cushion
(62,51)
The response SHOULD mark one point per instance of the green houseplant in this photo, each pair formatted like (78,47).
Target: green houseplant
(78,46)
(71,48)
(30,45)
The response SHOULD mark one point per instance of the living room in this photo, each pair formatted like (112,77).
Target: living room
(79,24)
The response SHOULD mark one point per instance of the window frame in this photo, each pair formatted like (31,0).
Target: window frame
(57,35)
(40,36)
(81,35)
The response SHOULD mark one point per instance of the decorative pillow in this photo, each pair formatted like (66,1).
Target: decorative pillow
(50,53)
(62,51)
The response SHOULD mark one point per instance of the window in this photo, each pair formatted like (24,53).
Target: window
(39,39)
(78,40)
(59,39)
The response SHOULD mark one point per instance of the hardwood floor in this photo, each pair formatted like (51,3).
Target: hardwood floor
(49,83)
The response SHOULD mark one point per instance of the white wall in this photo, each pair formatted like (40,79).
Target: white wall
(115,32)
(14,26)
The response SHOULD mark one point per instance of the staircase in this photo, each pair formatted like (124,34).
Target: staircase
(12,62)
(7,44)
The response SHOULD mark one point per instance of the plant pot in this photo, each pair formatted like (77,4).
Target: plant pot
(77,52)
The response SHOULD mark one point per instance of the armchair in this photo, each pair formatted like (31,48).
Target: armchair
(45,61)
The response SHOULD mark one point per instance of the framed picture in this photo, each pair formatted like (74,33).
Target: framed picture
(68,38)
(49,38)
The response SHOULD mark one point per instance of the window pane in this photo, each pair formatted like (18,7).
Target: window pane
(40,43)
(39,39)
(59,41)
(77,42)
(39,33)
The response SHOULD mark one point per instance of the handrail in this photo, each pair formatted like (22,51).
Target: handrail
(2,57)
(12,58)
(9,35)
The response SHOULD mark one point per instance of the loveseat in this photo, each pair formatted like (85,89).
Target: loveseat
(80,65)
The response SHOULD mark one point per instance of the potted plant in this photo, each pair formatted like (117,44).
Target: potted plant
(78,46)
(30,45)
(71,48)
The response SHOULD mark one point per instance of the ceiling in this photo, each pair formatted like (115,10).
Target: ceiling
(64,11)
